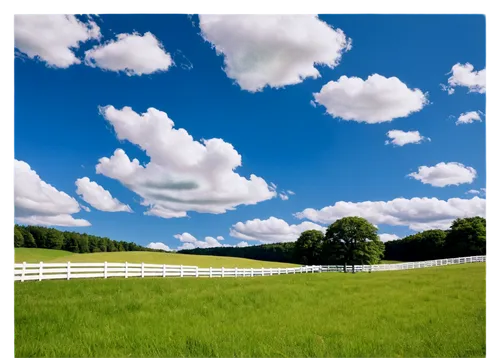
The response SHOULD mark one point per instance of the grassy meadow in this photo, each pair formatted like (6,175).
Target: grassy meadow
(432,312)
(46,255)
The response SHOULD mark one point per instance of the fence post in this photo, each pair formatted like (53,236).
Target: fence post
(222,270)
(251,272)
(126,269)
(142,269)
(68,271)
(210,271)
(105,269)
(24,272)
(40,271)
(270,271)
(182,271)
(196,271)
(235,272)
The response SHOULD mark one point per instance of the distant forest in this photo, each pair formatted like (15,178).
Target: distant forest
(466,237)
(49,238)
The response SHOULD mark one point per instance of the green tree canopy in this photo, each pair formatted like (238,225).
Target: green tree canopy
(467,237)
(18,238)
(308,247)
(352,240)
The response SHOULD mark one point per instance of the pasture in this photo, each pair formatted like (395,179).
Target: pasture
(430,312)
(36,255)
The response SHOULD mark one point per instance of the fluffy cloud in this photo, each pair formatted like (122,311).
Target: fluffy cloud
(464,75)
(39,203)
(51,38)
(416,213)
(190,242)
(183,174)
(158,246)
(401,138)
(273,50)
(443,174)
(271,230)
(481,192)
(131,53)
(388,237)
(469,117)
(98,197)
(283,196)
(378,99)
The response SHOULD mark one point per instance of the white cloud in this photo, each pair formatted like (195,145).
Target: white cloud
(190,242)
(273,50)
(39,203)
(271,230)
(401,138)
(98,197)
(444,174)
(131,53)
(183,174)
(86,208)
(416,213)
(185,237)
(290,192)
(378,99)
(469,117)
(52,38)
(283,196)
(159,246)
(464,75)
(388,237)
(481,192)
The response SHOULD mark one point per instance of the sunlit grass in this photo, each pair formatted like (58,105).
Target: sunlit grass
(37,255)
(432,312)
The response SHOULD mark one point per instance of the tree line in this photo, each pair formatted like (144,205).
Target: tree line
(348,241)
(50,238)
(354,240)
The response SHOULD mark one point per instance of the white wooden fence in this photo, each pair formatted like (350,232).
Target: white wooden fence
(71,270)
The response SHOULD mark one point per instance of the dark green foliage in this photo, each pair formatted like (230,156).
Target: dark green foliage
(352,240)
(308,247)
(49,238)
(467,237)
(18,238)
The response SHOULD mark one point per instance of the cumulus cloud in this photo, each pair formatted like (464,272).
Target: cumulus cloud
(443,174)
(283,196)
(39,203)
(159,246)
(131,53)
(183,174)
(401,138)
(469,117)
(388,237)
(98,197)
(52,38)
(190,242)
(481,192)
(416,213)
(378,99)
(464,75)
(273,50)
(86,208)
(271,230)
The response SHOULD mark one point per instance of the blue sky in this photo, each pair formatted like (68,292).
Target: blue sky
(281,137)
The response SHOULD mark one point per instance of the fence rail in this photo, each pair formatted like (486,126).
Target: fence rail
(71,270)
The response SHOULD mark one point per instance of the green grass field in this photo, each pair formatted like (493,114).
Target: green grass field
(37,255)
(433,312)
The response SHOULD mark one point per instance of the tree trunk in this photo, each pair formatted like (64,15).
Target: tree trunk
(353,269)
